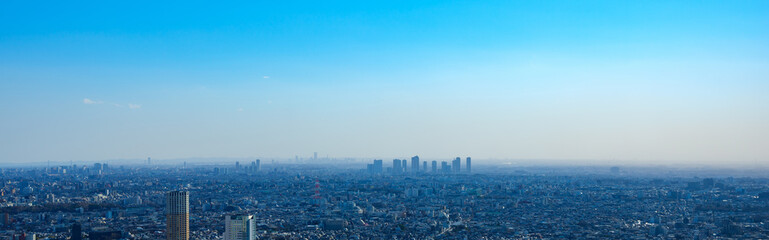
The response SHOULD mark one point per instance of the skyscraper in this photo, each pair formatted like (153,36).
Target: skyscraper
(403,164)
(239,227)
(258,165)
(397,166)
(455,165)
(435,166)
(424,166)
(178,215)
(468,165)
(415,164)
(375,167)
(445,167)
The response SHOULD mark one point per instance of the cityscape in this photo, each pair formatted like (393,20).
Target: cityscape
(404,200)
(384,120)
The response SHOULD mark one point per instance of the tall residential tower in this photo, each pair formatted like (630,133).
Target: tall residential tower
(455,165)
(397,166)
(415,164)
(178,215)
(468,165)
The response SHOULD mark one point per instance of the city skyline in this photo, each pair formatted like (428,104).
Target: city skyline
(594,82)
(352,161)
(104,202)
(451,120)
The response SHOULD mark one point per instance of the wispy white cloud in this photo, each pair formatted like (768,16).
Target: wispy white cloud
(265,77)
(89,101)
(134,106)
(239,109)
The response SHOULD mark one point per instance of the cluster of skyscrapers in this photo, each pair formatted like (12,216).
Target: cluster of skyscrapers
(400,166)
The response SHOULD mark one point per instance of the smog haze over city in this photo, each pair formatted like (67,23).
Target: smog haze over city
(594,82)
(384,120)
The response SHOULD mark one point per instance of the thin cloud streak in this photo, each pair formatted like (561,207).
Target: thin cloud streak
(89,101)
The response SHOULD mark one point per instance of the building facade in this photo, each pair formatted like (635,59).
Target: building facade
(415,164)
(455,165)
(178,215)
(239,227)
(397,166)
(468,165)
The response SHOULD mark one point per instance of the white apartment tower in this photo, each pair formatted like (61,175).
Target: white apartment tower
(239,227)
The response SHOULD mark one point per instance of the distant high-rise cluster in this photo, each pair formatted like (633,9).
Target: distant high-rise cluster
(178,215)
(399,166)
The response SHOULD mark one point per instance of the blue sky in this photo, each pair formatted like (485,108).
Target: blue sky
(603,81)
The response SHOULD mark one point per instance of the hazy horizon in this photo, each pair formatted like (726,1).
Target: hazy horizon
(653,82)
(359,162)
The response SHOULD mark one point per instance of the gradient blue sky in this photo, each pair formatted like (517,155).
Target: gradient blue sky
(641,82)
